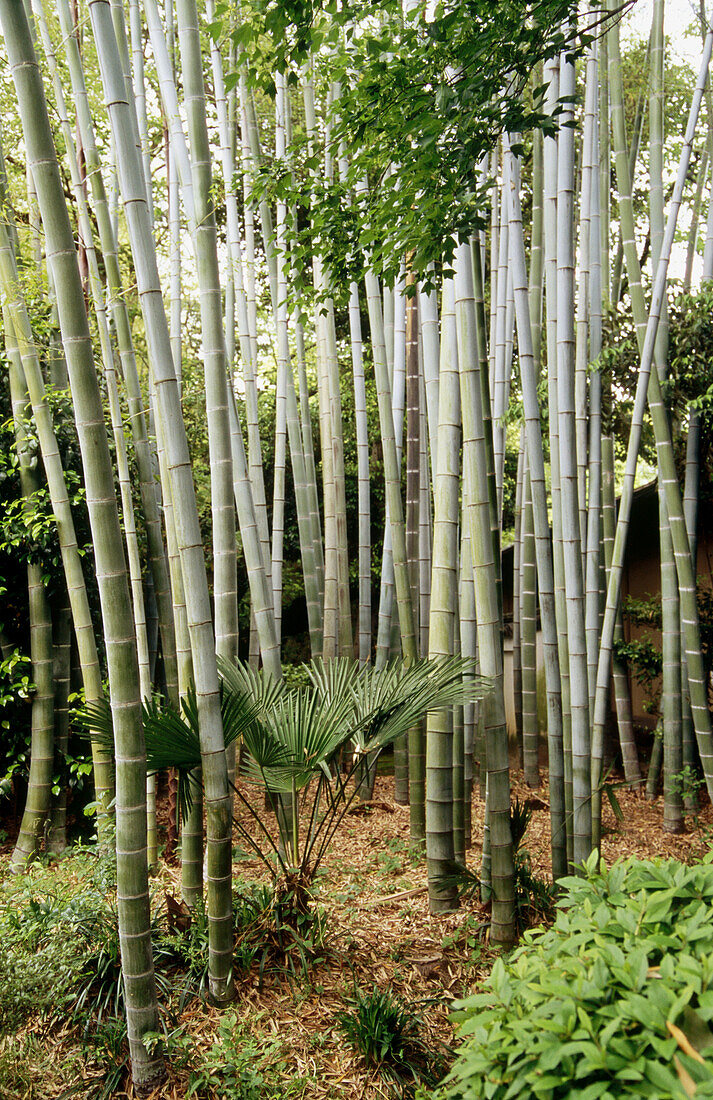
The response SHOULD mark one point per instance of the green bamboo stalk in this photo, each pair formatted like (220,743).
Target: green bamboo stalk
(440,849)
(468,648)
(530,723)
(517,601)
(62,640)
(122,325)
(93,281)
(132,878)
(18,321)
(39,783)
(622,692)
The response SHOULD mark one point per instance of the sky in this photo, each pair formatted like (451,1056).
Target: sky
(678,19)
(678,16)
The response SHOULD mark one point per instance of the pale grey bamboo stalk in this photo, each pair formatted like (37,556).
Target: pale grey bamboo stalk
(391,471)
(630,159)
(498,380)
(283,365)
(258,571)
(248,171)
(213,340)
(416,735)
(183,496)
(331,409)
(622,693)
(488,610)
(396,335)
(571,540)
(692,247)
(310,471)
(670,607)
(249,165)
(248,348)
(137,64)
(428,318)
(690,508)
(169,100)
(543,549)
(363,485)
(649,379)
(604,171)
(530,724)
(120,317)
(173,213)
(537,254)
(425,536)
(594,480)
(587,248)
(550,219)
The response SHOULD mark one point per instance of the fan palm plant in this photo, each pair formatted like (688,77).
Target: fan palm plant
(292,740)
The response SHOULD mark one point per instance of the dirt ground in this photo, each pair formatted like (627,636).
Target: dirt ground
(379,933)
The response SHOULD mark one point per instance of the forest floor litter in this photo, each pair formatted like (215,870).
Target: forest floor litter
(378,933)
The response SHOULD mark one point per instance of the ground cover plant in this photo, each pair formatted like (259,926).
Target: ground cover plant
(615,999)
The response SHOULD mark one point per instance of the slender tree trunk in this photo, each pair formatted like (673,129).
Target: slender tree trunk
(488,610)
(132,876)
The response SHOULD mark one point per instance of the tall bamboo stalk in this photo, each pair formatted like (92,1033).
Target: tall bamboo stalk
(488,610)
(132,878)
(440,851)
(183,497)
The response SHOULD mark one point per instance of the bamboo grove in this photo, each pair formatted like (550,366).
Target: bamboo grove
(443,288)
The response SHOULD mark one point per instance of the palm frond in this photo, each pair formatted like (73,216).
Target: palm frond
(238,711)
(172,739)
(242,680)
(334,679)
(96,720)
(312,729)
(266,760)
(393,699)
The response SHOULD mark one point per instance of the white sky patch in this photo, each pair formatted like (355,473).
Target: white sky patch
(682,29)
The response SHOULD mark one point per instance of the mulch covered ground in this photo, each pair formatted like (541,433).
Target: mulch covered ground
(379,933)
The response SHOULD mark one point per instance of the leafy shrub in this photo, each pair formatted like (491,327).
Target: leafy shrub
(387,1032)
(38,966)
(616,999)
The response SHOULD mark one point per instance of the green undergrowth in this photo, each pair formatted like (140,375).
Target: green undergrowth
(60,970)
(614,1000)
